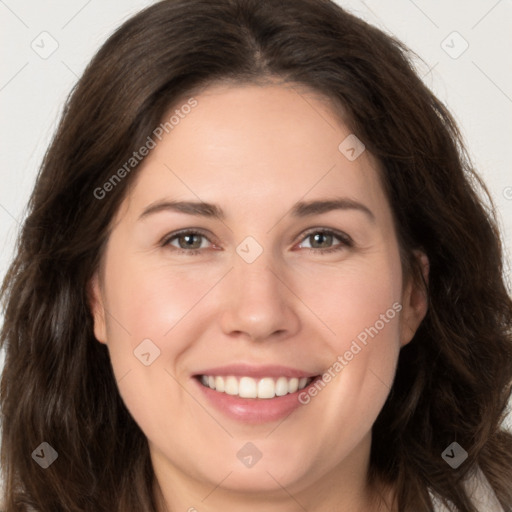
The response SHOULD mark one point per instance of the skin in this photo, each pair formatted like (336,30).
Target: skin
(292,306)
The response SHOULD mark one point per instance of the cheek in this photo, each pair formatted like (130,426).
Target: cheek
(352,296)
(148,308)
(162,304)
(149,300)
(359,305)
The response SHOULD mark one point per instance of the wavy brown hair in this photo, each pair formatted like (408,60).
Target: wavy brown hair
(453,379)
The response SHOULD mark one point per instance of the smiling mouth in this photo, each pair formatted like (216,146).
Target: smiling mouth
(249,387)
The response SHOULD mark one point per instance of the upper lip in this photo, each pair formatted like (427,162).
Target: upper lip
(260,371)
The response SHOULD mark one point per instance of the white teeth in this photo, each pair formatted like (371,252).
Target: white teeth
(219,384)
(247,387)
(293,385)
(231,386)
(266,388)
(282,386)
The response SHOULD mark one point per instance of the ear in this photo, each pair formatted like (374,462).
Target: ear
(96,303)
(414,301)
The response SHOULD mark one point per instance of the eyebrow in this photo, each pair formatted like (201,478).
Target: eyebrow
(299,209)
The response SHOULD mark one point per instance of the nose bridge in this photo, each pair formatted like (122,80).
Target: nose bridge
(257,302)
(257,280)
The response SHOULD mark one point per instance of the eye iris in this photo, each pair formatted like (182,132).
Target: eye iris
(191,241)
(322,239)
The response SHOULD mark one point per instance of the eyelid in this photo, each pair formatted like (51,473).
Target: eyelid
(199,231)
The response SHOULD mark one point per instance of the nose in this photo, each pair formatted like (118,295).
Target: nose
(258,303)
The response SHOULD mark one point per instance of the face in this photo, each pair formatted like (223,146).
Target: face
(256,256)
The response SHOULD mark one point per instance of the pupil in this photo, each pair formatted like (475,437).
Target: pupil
(189,240)
(319,237)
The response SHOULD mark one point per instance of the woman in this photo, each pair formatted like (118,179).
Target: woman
(256,274)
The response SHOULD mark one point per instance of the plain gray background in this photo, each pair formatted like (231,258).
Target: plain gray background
(464,48)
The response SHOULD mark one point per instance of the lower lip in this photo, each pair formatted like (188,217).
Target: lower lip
(254,410)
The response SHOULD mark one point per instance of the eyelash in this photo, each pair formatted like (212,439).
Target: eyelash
(345,240)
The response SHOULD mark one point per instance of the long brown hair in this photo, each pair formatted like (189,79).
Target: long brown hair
(453,379)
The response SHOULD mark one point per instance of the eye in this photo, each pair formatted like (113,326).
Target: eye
(321,240)
(186,241)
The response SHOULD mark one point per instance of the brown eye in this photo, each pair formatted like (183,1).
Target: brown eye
(190,242)
(325,241)
(320,240)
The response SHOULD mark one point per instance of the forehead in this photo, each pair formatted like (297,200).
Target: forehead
(247,145)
